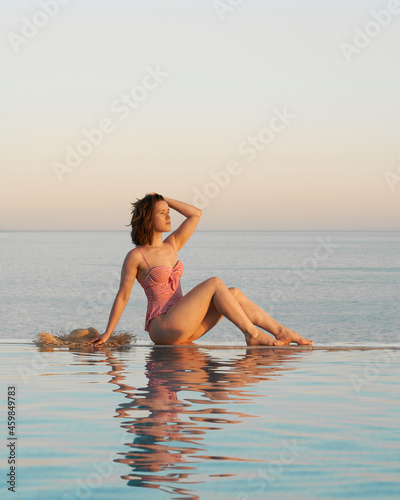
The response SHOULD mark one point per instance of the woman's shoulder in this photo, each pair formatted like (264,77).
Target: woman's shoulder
(170,241)
(133,256)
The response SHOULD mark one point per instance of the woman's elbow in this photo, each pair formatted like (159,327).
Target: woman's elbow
(123,295)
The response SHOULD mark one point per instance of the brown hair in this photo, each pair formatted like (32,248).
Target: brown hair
(142,219)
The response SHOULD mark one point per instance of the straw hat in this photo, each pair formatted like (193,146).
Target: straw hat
(82,337)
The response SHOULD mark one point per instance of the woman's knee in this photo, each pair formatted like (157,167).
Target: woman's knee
(235,291)
(215,281)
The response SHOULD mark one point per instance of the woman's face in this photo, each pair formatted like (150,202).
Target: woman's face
(161,218)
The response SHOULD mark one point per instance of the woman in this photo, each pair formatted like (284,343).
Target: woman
(173,318)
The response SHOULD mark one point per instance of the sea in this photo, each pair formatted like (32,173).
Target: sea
(332,287)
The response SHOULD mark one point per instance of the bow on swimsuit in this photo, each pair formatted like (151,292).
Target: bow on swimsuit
(162,286)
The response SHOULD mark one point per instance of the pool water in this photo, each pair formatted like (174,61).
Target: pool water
(198,423)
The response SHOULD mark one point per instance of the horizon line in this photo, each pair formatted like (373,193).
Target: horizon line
(206,230)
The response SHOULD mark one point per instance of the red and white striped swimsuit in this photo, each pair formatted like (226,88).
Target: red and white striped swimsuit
(162,286)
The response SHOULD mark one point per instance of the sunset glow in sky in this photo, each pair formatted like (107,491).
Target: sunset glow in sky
(268,115)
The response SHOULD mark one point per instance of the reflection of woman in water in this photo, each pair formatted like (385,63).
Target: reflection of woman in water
(174,318)
(188,395)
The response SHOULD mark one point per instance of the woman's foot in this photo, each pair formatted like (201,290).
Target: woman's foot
(261,338)
(287,336)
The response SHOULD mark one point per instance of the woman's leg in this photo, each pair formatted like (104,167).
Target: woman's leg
(256,315)
(212,317)
(263,320)
(185,318)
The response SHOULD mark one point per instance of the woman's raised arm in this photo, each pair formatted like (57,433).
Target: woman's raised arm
(181,235)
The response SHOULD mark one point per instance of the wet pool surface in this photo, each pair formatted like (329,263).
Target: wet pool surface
(188,423)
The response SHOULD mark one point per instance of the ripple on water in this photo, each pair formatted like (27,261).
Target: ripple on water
(185,423)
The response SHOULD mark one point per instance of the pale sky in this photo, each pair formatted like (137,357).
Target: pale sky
(292,107)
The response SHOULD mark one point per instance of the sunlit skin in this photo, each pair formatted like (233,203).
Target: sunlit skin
(203,307)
